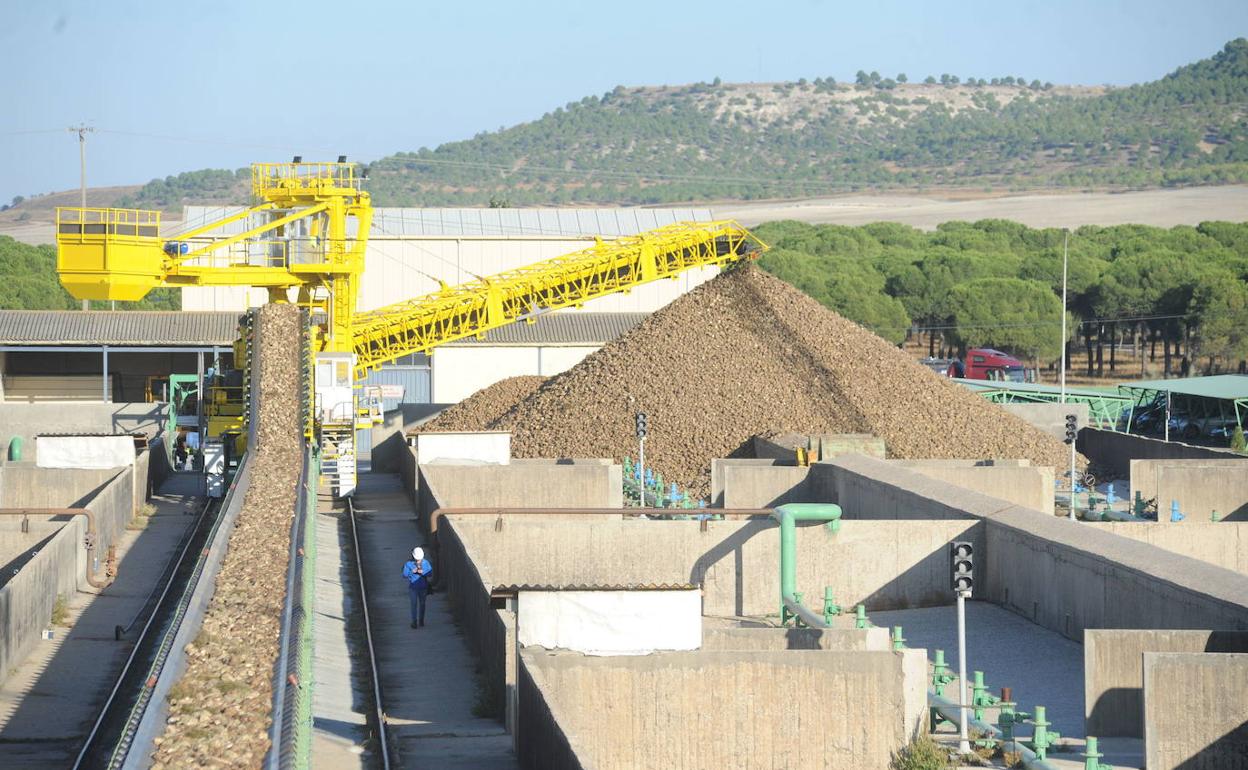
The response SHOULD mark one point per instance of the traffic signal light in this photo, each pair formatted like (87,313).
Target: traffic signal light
(641,425)
(962,560)
(1072,428)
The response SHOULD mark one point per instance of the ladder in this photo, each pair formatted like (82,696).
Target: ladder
(338,465)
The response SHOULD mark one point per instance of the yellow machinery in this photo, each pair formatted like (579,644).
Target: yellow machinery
(307,231)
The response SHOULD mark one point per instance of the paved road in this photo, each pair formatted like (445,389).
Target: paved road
(1163,208)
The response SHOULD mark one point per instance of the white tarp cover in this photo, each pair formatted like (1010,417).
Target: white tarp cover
(610,622)
(492,448)
(84,451)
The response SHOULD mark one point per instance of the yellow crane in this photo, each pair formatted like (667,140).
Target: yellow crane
(306,233)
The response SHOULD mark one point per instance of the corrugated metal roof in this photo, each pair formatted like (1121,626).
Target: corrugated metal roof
(561,329)
(1224,386)
(123,327)
(487,223)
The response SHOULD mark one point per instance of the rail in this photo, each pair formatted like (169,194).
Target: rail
(379,713)
(290,732)
(142,647)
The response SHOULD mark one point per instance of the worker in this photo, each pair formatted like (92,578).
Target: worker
(179,451)
(418,570)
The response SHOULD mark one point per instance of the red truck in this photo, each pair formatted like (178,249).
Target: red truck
(988,364)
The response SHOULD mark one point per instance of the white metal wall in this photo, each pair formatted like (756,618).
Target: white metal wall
(398,269)
(458,372)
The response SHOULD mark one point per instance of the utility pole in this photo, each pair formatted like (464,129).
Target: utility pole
(1065,257)
(82,129)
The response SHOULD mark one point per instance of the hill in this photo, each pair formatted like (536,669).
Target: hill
(748,141)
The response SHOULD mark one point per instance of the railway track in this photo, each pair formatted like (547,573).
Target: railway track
(377,715)
(111,737)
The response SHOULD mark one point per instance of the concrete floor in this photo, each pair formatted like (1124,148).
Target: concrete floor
(1044,668)
(428,677)
(50,701)
(340,696)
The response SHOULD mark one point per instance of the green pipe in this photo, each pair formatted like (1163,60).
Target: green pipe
(15,449)
(830,607)
(949,710)
(899,641)
(788,515)
(860,616)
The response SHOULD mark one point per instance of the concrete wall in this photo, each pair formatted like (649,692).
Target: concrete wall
(530,485)
(716,709)
(1115,451)
(1196,711)
(389,439)
(29,420)
(1113,672)
(784,447)
(1050,418)
(26,600)
(23,485)
(761,486)
(843,639)
(1068,577)
(867,488)
(1029,487)
(882,564)
(61,565)
(1224,544)
(1199,486)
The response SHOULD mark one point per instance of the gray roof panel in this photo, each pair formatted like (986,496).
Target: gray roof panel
(123,327)
(561,329)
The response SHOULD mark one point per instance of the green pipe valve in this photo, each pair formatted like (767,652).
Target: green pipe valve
(899,641)
(941,675)
(980,699)
(830,608)
(1043,738)
(1092,757)
(860,616)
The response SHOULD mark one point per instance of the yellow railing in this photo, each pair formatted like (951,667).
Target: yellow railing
(73,220)
(268,179)
(473,308)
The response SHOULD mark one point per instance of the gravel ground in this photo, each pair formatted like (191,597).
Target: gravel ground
(220,710)
(747,354)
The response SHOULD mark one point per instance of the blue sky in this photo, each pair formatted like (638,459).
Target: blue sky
(175,86)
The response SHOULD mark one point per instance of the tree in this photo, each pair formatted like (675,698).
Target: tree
(717,82)
(862,78)
(17,199)
(930,80)
(1219,310)
(901,77)
(1023,317)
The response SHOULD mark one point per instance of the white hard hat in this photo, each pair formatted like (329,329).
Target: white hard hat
(418,553)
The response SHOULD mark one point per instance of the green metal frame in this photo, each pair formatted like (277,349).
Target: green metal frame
(1104,408)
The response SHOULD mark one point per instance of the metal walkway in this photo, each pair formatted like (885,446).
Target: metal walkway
(428,679)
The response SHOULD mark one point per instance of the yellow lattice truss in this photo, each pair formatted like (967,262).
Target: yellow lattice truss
(308,229)
(608,267)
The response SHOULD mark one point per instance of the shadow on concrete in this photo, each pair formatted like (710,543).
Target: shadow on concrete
(1228,751)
